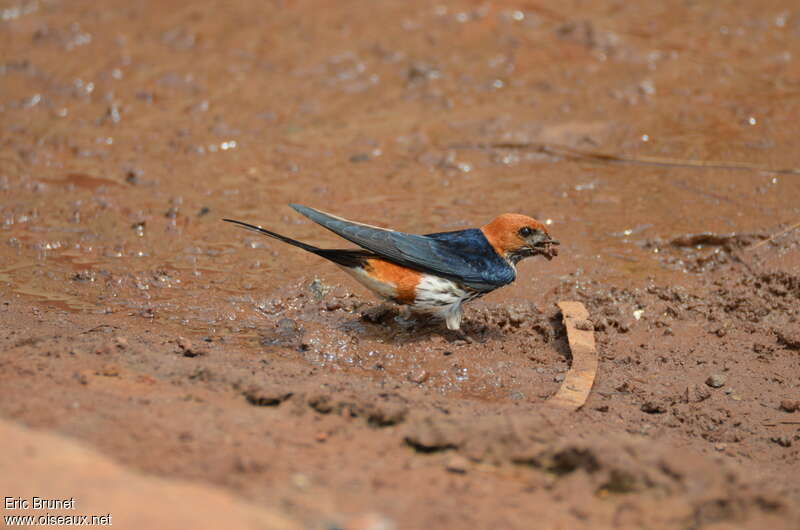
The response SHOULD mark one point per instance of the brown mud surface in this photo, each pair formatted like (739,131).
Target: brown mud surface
(137,323)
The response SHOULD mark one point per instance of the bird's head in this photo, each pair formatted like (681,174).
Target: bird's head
(515,236)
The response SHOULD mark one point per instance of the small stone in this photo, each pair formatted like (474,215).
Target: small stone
(787,405)
(109,370)
(720,446)
(185,347)
(789,338)
(287,326)
(584,325)
(418,376)
(696,394)
(333,305)
(184,343)
(559,378)
(120,342)
(517,395)
(716,380)
(653,407)
(133,176)
(457,464)
(783,441)
(301,481)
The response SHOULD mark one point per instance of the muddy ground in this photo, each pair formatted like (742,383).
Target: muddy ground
(138,324)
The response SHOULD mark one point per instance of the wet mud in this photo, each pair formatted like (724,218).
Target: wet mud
(137,323)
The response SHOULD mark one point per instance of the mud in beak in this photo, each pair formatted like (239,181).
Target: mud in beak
(547,248)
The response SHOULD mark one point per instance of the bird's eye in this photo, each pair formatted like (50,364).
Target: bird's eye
(525,231)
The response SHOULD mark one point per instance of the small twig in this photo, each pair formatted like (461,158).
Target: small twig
(563,150)
(773,237)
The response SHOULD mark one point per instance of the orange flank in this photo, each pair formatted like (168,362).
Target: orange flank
(503,232)
(404,280)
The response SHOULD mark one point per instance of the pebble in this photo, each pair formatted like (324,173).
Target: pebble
(457,464)
(301,481)
(418,376)
(558,378)
(787,405)
(653,407)
(184,344)
(109,370)
(716,381)
(333,305)
(783,441)
(697,393)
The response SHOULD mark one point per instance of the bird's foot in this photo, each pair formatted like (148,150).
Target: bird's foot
(458,335)
(405,320)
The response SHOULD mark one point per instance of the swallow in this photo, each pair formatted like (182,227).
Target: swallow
(433,273)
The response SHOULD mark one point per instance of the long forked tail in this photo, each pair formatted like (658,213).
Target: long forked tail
(264,231)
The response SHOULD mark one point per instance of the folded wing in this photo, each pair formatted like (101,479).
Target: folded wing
(463,256)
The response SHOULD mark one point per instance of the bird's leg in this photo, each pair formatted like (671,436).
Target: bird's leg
(453,318)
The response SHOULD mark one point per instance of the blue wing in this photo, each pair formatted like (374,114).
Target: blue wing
(464,256)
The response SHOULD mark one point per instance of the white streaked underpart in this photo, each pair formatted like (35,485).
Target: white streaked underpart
(443,298)
(434,295)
